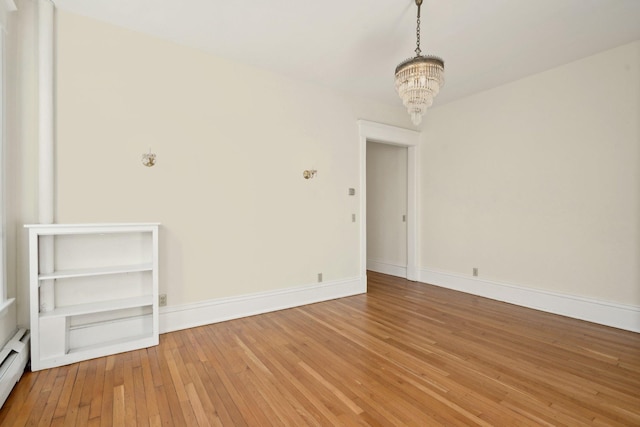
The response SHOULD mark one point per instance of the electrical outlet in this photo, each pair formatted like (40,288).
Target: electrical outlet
(162,300)
(475,271)
(319,277)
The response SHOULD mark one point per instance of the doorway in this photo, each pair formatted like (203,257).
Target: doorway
(385,134)
(387,209)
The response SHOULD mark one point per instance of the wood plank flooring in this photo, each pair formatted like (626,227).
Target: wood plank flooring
(404,354)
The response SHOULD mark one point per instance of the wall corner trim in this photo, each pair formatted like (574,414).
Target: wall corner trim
(4,305)
(606,313)
(185,316)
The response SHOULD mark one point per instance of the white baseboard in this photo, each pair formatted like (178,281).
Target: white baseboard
(387,268)
(185,316)
(605,313)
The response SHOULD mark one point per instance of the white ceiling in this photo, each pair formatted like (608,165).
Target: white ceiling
(355,45)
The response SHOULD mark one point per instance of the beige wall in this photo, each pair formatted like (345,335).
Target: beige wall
(537,182)
(231,144)
(386,204)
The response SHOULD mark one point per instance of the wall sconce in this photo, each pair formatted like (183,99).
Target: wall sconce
(308,174)
(149,159)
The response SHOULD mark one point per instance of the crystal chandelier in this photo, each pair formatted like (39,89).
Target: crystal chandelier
(418,79)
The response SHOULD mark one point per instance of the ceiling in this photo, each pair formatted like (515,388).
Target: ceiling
(353,46)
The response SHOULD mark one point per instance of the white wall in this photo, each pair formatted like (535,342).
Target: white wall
(231,144)
(22,154)
(537,182)
(20,159)
(386,205)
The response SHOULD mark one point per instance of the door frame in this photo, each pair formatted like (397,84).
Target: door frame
(392,135)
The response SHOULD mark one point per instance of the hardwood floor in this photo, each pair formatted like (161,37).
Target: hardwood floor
(403,354)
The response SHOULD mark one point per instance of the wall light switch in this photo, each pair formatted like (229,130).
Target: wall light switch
(352,191)
(353,217)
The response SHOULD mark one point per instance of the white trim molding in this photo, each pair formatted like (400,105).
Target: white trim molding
(46,142)
(46,111)
(6,6)
(4,305)
(185,316)
(616,315)
(10,5)
(387,268)
(392,135)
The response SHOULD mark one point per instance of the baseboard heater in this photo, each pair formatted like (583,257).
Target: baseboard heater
(13,360)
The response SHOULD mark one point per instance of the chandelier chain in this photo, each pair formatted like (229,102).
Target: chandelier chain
(418,51)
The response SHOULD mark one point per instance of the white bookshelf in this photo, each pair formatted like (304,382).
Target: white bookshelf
(116,269)
(93,290)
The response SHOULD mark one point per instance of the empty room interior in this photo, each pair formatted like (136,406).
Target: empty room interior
(364,212)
